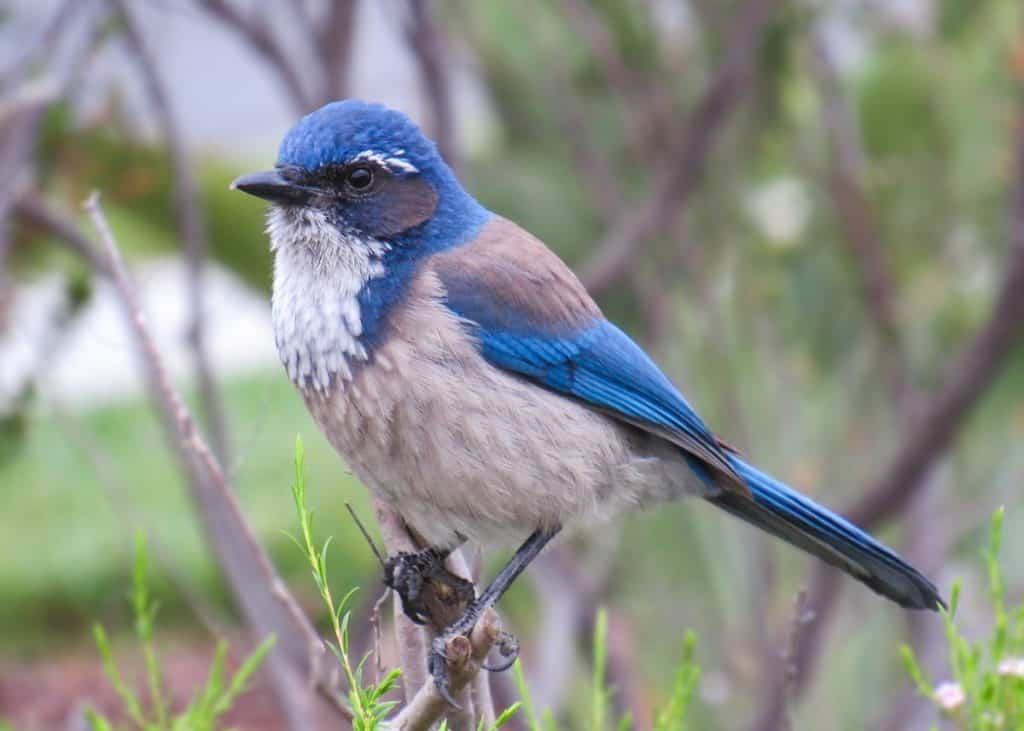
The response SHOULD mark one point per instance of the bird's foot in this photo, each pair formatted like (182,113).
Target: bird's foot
(411,574)
(451,649)
(507,645)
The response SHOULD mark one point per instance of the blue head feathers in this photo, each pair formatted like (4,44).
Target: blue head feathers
(380,175)
(337,132)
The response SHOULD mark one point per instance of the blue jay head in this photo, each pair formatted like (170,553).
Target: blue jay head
(366,170)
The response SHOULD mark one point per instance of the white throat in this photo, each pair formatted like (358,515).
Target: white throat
(319,272)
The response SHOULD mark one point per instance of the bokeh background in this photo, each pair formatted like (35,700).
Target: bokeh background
(812,213)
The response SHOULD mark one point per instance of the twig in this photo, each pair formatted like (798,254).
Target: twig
(33,94)
(378,660)
(366,534)
(590,26)
(31,208)
(15,147)
(335,42)
(465,657)
(802,616)
(55,27)
(189,214)
(465,718)
(258,35)
(860,227)
(677,179)
(253,580)
(428,46)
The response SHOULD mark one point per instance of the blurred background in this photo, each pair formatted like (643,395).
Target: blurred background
(811,212)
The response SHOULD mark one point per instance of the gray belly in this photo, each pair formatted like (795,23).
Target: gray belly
(461,448)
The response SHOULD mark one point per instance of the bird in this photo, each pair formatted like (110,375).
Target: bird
(468,379)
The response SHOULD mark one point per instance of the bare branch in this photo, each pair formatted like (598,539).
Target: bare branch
(429,47)
(191,226)
(677,179)
(335,42)
(465,657)
(256,32)
(253,580)
(55,27)
(15,148)
(35,211)
(859,225)
(636,108)
(24,105)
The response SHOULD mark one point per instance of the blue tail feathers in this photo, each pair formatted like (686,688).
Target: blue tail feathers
(788,515)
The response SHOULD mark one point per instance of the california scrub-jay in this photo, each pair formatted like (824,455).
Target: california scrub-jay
(468,379)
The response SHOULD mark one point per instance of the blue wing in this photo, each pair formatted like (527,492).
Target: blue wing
(532,317)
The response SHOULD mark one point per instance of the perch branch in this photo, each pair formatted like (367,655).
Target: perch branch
(424,705)
(465,657)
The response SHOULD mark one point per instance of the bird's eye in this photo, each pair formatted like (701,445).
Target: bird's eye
(359,178)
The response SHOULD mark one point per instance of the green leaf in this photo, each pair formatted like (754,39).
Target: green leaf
(242,676)
(524,697)
(128,698)
(599,700)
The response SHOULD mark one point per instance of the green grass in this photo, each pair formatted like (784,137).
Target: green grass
(211,700)
(65,542)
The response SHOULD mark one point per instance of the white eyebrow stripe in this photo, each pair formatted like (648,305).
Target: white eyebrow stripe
(393,163)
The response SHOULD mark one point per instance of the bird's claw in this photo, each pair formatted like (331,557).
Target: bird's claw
(452,649)
(437,666)
(508,647)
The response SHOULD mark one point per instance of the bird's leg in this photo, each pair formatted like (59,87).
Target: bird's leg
(437,663)
(408,574)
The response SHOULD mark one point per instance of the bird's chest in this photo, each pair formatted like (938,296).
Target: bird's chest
(394,413)
(320,328)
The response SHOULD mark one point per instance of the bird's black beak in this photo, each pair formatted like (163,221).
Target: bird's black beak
(271,185)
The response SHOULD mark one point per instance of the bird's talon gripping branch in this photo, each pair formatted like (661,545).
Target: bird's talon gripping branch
(447,652)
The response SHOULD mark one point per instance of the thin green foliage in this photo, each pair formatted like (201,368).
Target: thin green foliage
(210,702)
(369,708)
(599,699)
(672,717)
(986,692)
